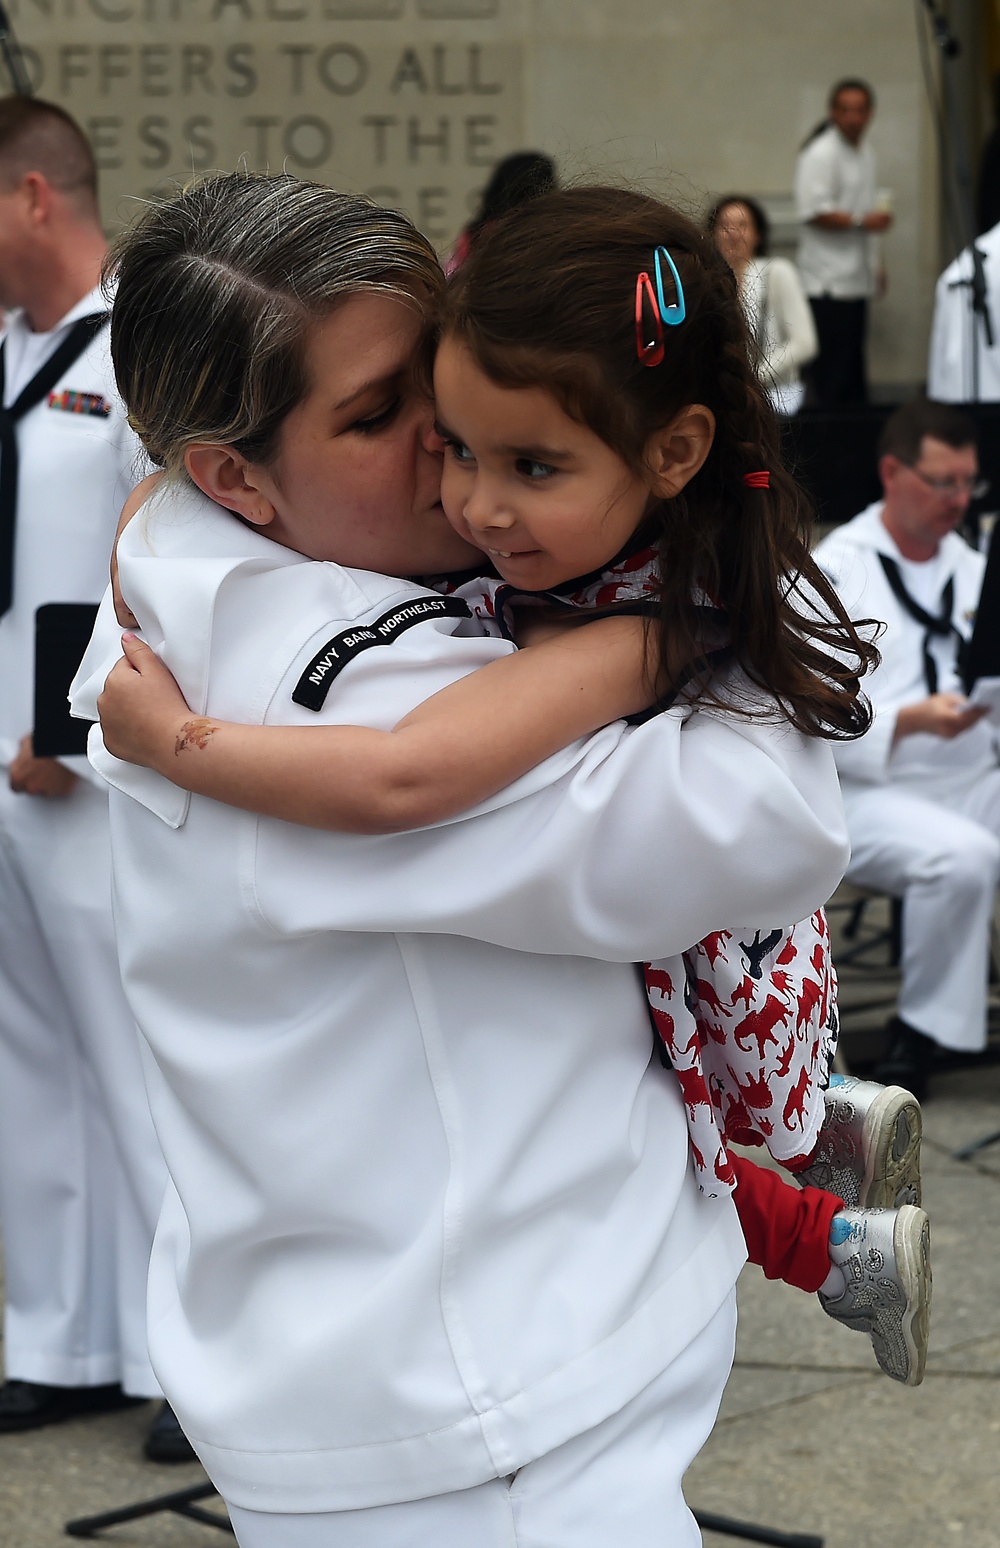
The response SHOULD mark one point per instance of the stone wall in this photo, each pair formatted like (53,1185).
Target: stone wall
(413,101)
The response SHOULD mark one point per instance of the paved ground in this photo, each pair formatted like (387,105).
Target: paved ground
(811,1437)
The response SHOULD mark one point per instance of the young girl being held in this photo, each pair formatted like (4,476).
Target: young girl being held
(607,446)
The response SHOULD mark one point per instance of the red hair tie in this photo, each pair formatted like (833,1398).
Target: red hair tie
(760,480)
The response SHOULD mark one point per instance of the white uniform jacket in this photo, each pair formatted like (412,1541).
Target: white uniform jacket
(63,542)
(432,1212)
(950,371)
(849,557)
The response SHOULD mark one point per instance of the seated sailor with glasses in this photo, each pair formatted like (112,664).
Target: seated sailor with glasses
(922,787)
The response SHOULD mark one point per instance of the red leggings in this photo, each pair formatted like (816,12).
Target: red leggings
(787,1229)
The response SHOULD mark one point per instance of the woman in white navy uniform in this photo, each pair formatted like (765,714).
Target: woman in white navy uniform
(433,1267)
(81,1175)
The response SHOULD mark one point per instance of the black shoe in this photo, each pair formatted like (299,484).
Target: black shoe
(28,1405)
(166,1441)
(950,1060)
(908,1061)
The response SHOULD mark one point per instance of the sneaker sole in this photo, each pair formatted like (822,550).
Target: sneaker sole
(890,1145)
(911,1240)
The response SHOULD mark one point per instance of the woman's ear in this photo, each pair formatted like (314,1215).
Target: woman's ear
(230,480)
(676,453)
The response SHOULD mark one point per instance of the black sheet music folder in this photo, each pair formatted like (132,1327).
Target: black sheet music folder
(62,634)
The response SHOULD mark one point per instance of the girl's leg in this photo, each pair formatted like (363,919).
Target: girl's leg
(871,1266)
(787,1229)
(619,1483)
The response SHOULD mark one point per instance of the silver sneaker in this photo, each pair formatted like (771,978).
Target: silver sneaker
(884,1255)
(868,1152)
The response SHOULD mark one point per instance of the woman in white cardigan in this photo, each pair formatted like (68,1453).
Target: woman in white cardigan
(772,293)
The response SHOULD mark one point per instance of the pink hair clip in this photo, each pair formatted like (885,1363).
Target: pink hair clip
(653,313)
(761,480)
(648,323)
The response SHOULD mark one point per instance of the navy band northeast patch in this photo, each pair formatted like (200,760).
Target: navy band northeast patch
(313,686)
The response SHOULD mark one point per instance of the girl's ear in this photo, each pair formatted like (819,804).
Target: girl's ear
(230,480)
(676,453)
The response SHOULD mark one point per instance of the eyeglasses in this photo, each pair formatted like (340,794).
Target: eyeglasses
(955,488)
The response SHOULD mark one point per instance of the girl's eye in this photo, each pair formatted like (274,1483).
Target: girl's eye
(458,451)
(529,468)
(375,422)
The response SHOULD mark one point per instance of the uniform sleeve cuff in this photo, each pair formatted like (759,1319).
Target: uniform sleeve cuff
(867,759)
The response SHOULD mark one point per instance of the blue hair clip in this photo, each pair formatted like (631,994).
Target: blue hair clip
(674,314)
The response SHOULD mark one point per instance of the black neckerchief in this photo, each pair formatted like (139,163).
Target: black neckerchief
(45,378)
(935,626)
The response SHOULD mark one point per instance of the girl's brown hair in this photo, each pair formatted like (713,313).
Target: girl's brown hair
(548,299)
(216,291)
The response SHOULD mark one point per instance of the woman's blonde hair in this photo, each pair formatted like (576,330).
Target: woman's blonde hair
(215,292)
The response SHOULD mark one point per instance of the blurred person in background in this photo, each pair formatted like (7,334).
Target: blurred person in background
(838,250)
(962,365)
(772,295)
(988,188)
(516,179)
(81,1173)
(922,786)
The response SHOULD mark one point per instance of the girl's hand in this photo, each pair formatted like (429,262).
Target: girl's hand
(143,712)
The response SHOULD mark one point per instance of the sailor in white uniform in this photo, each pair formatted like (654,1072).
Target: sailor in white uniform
(963,366)
(922,787)
(81,1173)
(432,1245)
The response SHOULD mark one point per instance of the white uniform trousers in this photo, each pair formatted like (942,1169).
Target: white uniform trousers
(617,1484)
(81,1173)
(938,848)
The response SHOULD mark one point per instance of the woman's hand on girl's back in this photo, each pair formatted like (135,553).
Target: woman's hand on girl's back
(143,712)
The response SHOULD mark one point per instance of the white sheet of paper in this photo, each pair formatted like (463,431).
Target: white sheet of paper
(986,690)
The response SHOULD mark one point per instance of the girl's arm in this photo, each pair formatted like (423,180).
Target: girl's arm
(456,749)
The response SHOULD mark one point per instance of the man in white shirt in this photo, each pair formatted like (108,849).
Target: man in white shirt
(81,1174)
(963,366)
(922,787)
(837,257)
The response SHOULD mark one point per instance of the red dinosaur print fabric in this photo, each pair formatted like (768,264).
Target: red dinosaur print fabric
(635,579)
(748,1018)
(749,1023)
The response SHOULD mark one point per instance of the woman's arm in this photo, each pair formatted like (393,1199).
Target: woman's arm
(793,325)
(458,748)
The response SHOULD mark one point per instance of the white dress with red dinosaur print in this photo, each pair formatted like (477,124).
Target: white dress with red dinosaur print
(746,1018)
(749,1022)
